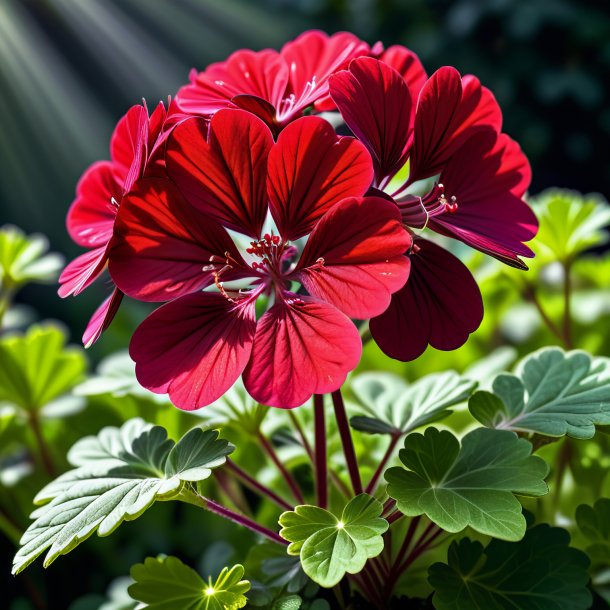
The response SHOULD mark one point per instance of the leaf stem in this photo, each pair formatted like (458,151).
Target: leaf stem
(320,452)
(10,529)
(297,426)
(256,486)
(530,295)
(567,305)
(290,480)
(372,486)
(348,443)
(43,448)
(227,513)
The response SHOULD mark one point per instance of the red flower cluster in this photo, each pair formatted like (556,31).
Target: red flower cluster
(264,231)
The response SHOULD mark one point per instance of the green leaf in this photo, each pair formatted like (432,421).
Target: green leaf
(540,572)
(168,584)
(594,523)
(552,393)
(118,475)
(570,223)
(471,485)
(37,368)
(392,406)
(24,258)
(330,546)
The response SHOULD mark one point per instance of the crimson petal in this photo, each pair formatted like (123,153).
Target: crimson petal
(162,244)
(225,174)
(301,347)
(92,213)
(440,305)
(488,176)
(408,65)
(102,317)
(450,110)
(311,169)
(82,272)
(194,348)
(376,104)
(354,258)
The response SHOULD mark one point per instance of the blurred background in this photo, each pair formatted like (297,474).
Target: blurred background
(70,68)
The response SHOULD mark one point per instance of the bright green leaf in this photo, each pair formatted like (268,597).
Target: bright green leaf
(570,223)
(540,572)
(472,485)
(552,393)
(37,368)
(168,584)
(392,406)
(330,546)
(118,475)
(24,258)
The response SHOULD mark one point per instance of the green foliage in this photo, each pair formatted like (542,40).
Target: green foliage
(117,476)
(553,393)
(594,523)
(330,546)
(37,368)
(24,259)
(168,584)
(540,572)
(570,223)
(392,406)
(472,485)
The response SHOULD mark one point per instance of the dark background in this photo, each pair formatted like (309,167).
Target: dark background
(70,68)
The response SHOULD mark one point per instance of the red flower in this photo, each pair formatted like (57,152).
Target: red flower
(276,86)
(464,180)
(172,245)
(134,146)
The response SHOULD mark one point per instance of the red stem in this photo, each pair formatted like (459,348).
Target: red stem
(348,444)
(294,487)
(253,484)
(370,488)
(320,453)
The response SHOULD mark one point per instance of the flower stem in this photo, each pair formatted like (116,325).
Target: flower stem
(297,426)
(530,295)
(567,306)
(291,482)
(370,488)
(348,443)
(43,449)
(254,485)
(320,439)
(218,509)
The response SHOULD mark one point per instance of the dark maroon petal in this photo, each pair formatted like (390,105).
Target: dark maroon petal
(354,258)
(450,110)
(263,74)
(102,317)
(310,170)
(162,244)
(224,175)
(408,65)
(376,105)
(194,348)
(312,58)
(91,215)
(440,305)
(488,176)
(302,347)
(82,272)
(257,106)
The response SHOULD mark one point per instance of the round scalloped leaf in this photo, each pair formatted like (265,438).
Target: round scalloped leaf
(552,393)
(469,485)
(540,572)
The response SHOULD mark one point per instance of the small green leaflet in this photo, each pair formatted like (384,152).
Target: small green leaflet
(168,584)
(552,393)
(540,572)
(472,485)
(117,476)
(37,368)
(24,258)
(330,546)
(392,406)
(594,523)
(570,223)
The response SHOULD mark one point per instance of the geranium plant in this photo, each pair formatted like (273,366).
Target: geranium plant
(285,209)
